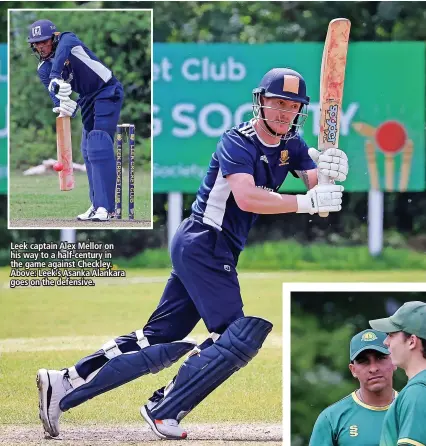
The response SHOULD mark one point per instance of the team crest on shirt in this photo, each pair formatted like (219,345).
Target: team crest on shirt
(284,158)
(353,430)
(369,336)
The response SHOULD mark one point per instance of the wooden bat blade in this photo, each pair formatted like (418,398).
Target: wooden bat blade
(64,153)
(332,79)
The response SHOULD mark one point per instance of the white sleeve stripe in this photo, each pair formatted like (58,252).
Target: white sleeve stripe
(216,203)
(103,72)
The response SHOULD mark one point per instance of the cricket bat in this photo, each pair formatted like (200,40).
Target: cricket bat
(331,87)
(64,152)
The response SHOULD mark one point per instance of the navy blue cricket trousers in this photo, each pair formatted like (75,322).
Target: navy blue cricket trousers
(203,284)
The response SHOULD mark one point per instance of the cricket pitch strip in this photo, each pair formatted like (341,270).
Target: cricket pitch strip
(136,434)
(73,223)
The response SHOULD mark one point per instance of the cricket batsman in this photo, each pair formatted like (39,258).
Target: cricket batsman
(67,65)
(249,165)
(404,424)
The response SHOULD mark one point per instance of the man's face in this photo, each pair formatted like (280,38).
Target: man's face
(398,346)
(282,111)
(44,48)
(373,369)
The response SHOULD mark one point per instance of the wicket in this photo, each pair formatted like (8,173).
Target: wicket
(121,128)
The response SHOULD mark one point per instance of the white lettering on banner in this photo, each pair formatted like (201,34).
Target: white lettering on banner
(204,117)
(179,171)
(157,124)
(346,117)
(185,69)
(180,115)
(190,120)
(194,70)
(161,71)
(180,118)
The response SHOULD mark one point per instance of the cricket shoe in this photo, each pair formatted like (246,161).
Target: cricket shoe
(87,215)
(101,214)
(165,429)
(52,387)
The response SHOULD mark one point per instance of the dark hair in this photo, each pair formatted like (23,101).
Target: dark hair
(407,335)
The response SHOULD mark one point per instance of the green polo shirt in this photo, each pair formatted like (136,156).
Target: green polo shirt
(405,421)
(349,422)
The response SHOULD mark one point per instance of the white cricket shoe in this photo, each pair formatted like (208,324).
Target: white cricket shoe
(165,429)
(87,215)
(52,387)
(101,214)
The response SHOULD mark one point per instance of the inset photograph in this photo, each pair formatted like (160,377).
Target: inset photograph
(80,100)
(357,372)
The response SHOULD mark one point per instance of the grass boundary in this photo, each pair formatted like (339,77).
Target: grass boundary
(292,256)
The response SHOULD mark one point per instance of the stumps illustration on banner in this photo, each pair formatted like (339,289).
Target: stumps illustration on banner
(391,138)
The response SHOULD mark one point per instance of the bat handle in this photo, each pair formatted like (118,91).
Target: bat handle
(323,179)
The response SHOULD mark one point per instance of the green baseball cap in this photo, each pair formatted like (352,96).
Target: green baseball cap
(367,340)
(411,318)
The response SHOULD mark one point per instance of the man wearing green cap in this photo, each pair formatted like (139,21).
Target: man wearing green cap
(405,422)
(356,420)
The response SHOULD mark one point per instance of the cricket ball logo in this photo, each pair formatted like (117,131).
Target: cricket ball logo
(331,122)
(391,139)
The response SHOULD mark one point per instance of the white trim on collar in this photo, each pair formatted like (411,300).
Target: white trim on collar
(260,139)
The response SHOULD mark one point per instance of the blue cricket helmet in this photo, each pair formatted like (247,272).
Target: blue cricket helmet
(41,30)
(283,83)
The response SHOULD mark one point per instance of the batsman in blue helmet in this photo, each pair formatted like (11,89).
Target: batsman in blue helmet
(250,163)
(66,65)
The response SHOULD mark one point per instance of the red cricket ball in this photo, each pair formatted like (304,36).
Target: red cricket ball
(58,167)
(391,136)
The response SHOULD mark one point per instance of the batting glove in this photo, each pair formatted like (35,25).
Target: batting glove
(66,108)
(331,162)
(60,88)
(322,198)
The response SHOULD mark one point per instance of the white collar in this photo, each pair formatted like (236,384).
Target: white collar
(260,139)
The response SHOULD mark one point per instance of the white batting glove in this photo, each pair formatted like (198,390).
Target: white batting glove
(331,162)
(57,110)
(68,105)
(60,88)
(66,108)
(61,112)
(321,198)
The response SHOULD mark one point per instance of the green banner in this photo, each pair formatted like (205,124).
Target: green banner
(201,90)
(3,118)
